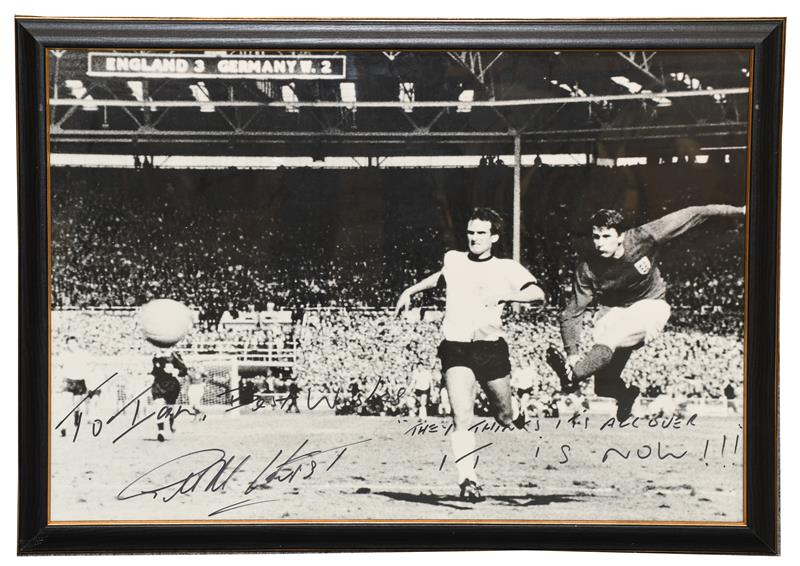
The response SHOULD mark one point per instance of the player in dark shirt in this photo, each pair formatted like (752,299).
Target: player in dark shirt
(292,396)
(165,372)
(623,279)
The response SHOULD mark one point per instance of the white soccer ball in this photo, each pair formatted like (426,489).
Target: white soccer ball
(165,322)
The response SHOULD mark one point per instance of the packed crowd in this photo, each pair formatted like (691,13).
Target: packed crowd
(121,245)
(276,236)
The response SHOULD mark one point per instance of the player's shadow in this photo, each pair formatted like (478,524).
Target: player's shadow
(450,501)
(532,500)
(454,502)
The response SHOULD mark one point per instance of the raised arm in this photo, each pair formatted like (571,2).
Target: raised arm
(523,286)
(429,282)
(572,316)
(679,222)
(529,293)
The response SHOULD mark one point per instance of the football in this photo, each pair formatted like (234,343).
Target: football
(165,322)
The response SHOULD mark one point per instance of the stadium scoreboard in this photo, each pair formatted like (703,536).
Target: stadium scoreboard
(216,65)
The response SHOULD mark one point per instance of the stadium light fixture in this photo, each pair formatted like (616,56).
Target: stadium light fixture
(635,88)
(267,88)
(688,80)
(289,95)
(626,83)
(200,93)
(347,92)
(574,90)
(137,90)
(79,91)
(694,84)
(407,96)
(720,98)
(467,95)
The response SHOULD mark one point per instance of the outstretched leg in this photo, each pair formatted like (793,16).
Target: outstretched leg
(619,328)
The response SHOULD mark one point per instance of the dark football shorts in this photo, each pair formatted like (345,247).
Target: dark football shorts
(528,390)
(488,359)
(167,389)
(422,391)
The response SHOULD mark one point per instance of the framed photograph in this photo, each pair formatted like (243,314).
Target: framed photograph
(305,285)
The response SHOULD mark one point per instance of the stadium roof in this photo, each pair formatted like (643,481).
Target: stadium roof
(381,104)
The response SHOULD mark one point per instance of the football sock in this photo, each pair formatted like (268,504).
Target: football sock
(595,359)
(463,442)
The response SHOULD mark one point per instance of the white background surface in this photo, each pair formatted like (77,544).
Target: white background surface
(790,388)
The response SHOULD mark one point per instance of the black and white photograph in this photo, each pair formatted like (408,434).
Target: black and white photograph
(365,285)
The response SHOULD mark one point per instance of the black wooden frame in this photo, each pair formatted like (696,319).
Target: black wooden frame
(765,37)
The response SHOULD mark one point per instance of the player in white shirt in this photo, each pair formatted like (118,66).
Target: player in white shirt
(474,349)
(195,392)
(228,316)
(422,378)
(73,371)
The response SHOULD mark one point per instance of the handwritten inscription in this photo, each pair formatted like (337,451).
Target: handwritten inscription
(211,470)
(138,414)
(657,450)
